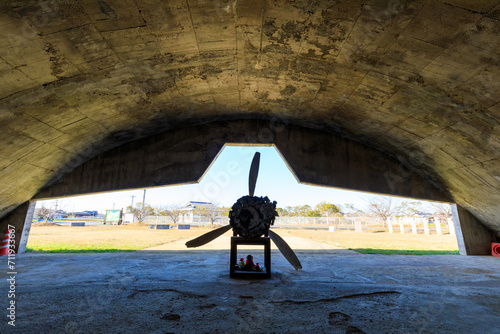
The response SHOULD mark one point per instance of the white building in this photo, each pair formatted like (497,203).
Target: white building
(189,212)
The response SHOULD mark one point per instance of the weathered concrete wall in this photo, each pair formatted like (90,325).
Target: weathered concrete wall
(473,237)
(20,220)
(183,155)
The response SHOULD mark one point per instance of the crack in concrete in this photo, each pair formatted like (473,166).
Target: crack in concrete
(183,293)
(324,300)
(467,9)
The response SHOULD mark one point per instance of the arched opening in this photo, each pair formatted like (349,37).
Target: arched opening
(311,217)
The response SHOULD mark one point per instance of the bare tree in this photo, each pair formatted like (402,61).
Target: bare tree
(174,211)
(441,211)
(408,208)
(211,212)
(141,212)
(48,212)
(352,210)
(442,208)
(384,207)
(380,207)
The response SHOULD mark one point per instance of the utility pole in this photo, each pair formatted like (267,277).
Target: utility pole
(132,204)
(143,199)
(142,208)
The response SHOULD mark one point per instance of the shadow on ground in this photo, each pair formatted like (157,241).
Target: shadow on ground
(191,292)
(403,252)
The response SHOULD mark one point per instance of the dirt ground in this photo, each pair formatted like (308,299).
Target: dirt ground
(135,237)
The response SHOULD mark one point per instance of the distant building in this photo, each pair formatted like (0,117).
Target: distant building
(441,216)
(59,214)
(189,214)
(85,214)
(423,215)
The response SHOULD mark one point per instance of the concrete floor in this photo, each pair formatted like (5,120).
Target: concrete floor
(185,291)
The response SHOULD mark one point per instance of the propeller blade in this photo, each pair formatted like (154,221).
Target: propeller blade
(207,237)
(287,252)
(254,172)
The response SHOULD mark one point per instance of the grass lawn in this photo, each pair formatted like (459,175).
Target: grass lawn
(382,243)
(113,238)
(135,237)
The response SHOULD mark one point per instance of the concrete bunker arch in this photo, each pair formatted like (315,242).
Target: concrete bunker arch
(184,155)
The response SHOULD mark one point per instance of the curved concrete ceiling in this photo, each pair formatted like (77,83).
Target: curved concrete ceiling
(418,80)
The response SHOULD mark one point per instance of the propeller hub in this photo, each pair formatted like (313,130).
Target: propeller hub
(251,216)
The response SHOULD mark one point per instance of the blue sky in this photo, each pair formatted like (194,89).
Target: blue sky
(223,183)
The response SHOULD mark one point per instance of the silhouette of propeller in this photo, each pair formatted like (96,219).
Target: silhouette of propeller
(257,227)
(254,172)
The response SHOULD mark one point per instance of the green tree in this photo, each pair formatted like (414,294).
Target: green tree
(283,212)
(326,209)
(289,211)
(301,210)
(224,211)
(314,213)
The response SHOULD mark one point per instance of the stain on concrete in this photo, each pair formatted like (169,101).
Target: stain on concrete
(307,7)
(156,86)
(208,70)
(354,330)
(207,306)
(369,59)
(171,317)
(288,90)
(311,66)
(165,58)
(245,297)
(263,96)
(269,28)
(56,60)
(249,46)
(292,30)
(417,79)
(338,318)
(182,293)
(107,10)
(278,48)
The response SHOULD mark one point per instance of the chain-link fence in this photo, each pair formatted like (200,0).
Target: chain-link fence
(414,225)
(196,221)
